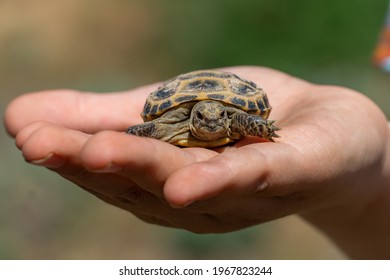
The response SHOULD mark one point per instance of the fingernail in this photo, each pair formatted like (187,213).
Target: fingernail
(110,168)
(183,205)
(49,161)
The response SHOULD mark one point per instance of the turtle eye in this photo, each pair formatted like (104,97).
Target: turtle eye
(199,115)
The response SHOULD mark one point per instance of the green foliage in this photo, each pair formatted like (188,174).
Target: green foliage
(282,34)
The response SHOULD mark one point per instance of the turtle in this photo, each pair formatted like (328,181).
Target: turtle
(206,108)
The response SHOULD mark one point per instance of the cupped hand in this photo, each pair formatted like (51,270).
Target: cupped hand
(332,143)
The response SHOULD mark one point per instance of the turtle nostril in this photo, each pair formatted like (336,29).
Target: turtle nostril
(199,115)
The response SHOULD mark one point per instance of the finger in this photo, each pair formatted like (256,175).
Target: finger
(241,171)
(43,139)
(86,112)
(40,140)
(26,132)
(148,162)
(58,148)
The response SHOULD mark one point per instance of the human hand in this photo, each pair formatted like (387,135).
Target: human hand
(332,145)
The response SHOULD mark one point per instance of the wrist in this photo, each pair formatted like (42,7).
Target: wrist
(359,225)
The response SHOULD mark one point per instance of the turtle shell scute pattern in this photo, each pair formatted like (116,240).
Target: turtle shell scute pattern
(207,85)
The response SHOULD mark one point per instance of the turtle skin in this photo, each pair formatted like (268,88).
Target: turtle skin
(206,109)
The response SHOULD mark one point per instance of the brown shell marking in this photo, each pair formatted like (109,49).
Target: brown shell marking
(207,85)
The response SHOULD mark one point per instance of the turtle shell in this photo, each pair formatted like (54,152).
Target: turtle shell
(207,85)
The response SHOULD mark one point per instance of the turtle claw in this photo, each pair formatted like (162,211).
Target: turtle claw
(275,135)
(271,131)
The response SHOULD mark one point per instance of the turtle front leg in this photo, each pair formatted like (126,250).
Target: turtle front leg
(168,128)
(246,124)
(148,129)
(157,129)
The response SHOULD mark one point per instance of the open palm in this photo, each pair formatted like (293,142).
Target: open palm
(332,143)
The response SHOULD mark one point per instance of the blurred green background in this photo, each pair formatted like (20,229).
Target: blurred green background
(103,46)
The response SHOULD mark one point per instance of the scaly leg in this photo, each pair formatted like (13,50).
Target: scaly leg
(170,127)
(246,124)
(162,131)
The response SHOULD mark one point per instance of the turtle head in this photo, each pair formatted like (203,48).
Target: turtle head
(209,120)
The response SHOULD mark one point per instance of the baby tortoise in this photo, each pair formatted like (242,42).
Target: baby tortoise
(206,109)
